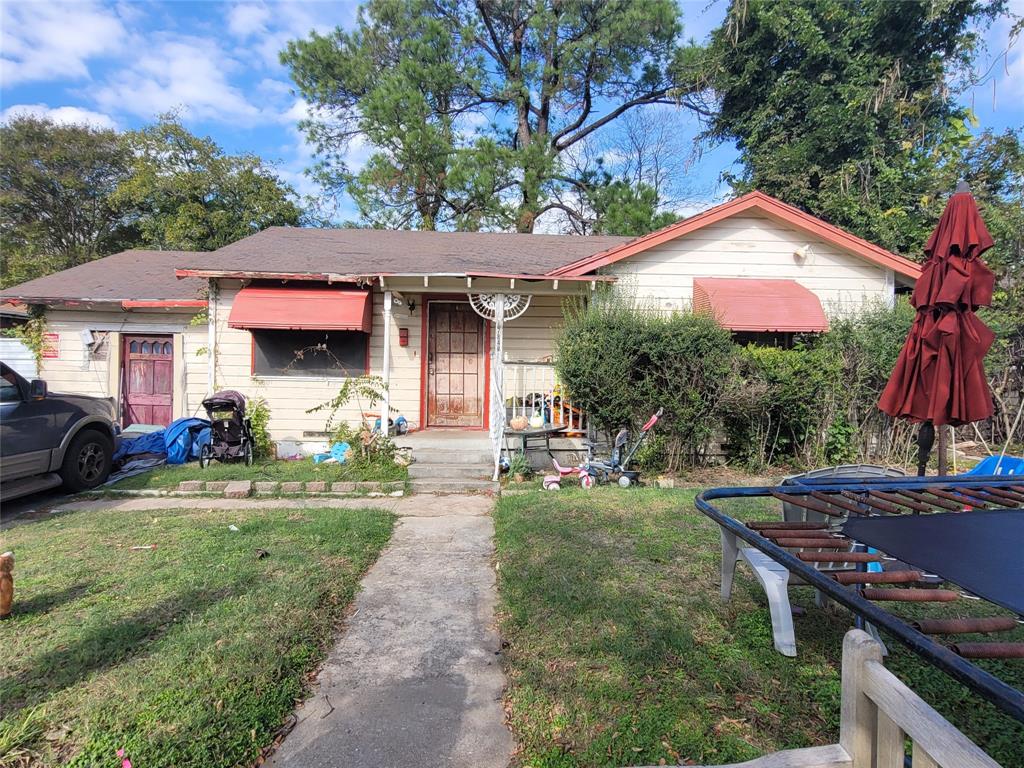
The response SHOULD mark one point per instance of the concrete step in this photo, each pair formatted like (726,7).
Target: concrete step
(451,471)
(422,455)
(452,486)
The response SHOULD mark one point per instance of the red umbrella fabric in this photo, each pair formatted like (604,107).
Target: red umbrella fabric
(940,375)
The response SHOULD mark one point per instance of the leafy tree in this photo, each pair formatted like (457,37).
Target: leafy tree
(56,183)
(468,107)
(836,105)
(621,208)
(188,194)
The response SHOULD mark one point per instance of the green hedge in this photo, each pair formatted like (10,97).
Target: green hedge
(622,363)
(812,404)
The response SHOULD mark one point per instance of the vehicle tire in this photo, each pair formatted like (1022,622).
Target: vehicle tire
(624,482)
(587,481)
(87,461)
(552,485)
(205,454)
(247,452)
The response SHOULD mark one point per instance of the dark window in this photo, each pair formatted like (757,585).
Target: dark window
(309,353)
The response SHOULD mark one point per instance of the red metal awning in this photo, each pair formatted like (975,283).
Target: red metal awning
(745,304)
(319,309)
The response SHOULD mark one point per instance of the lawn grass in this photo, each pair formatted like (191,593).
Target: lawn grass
(302,470)
(619,651)
(191,654)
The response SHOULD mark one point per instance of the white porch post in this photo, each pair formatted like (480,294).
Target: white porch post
(497,382)
(385,406)
(212,294)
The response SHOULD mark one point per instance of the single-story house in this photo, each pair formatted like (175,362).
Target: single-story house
(459,325)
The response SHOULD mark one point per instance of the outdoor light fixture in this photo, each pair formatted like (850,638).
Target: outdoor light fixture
(802,253)
(412,305)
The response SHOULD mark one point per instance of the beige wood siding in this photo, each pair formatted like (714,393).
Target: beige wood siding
(752,246)
(290,397)
(532,337)
(77,369)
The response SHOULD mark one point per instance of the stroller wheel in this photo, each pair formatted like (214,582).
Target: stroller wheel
(625,482)
(249,458)
(205,454)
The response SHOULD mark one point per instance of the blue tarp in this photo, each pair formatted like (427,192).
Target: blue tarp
(999,465)
(179,442)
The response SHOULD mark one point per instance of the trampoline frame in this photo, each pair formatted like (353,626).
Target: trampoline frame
(1004,696)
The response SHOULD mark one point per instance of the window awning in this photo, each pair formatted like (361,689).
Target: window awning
(745,304)
(286,308)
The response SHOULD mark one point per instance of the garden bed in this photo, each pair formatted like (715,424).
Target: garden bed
(192,653)
(621,653)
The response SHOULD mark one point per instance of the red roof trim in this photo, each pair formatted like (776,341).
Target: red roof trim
(765,204)
(162,304)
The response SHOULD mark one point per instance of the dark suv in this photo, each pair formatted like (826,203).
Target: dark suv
(48,439)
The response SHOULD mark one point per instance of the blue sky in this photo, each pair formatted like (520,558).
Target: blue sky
(120,64)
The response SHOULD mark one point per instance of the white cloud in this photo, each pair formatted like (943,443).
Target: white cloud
(247,19)
(49,41)
(183,73)
(266,28)
(61,115)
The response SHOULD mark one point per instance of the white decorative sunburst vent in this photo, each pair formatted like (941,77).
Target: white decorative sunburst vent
(483,304)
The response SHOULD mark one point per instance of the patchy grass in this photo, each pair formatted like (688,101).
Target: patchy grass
(303,470)
(191,654)
(621,653)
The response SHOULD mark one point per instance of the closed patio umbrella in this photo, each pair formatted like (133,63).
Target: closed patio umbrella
(939,377)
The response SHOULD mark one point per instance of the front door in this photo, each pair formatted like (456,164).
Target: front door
(147,366)
(455,365)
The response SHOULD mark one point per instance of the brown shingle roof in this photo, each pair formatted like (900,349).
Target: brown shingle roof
(129,275)
(374,251)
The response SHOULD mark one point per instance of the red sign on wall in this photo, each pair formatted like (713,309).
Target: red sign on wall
(51,346)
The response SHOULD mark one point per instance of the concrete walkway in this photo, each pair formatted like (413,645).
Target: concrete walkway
(416,677)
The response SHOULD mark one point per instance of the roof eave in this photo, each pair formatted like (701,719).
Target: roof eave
(765,204)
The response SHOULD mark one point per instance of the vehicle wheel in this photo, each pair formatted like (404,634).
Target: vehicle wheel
(552,485)
(249,458)
(587,481)
(624,482)
(87,461)
(205,454)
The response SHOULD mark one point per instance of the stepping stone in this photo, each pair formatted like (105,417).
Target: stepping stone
(238,489)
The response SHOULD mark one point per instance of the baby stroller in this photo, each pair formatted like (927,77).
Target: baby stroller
(230,430)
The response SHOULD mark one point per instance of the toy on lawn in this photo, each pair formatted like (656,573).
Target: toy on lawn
(604,470)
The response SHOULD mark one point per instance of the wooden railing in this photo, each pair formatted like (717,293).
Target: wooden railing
(531,386)
(878,713)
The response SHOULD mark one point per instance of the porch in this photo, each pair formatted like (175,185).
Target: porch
(486,345)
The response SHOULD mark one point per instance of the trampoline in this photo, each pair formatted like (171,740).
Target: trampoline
(968,530)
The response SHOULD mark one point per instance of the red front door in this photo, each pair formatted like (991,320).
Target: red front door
(147,366)
(455,365)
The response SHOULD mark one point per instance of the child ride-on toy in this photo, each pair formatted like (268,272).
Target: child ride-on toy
(605,470)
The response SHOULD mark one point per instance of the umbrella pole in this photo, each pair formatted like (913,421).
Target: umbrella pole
(925,441)
(943,438)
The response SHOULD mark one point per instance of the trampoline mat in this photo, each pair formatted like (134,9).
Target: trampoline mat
(981,551)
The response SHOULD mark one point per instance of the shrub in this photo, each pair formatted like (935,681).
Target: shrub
(817,403)
(621,362)
(259,418)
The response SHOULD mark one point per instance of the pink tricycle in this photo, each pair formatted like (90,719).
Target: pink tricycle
(604,470)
